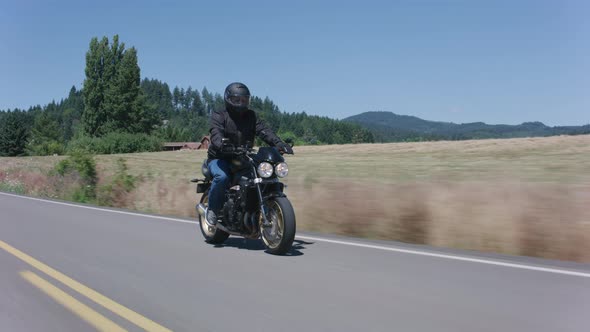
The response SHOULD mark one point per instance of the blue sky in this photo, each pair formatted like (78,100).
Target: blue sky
(460,61)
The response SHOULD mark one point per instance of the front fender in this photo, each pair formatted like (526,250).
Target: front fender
(273,190)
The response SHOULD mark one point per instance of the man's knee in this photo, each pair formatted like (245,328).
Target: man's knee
(221,177)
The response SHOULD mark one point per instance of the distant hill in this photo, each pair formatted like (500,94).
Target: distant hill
(391,127)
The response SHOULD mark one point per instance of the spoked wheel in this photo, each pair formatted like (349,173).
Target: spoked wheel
(212,234)
(279,237)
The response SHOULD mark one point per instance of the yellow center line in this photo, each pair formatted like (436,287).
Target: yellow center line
(104,301)
(95,319)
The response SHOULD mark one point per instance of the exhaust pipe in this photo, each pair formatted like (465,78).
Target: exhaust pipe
(202,210)
(223,228)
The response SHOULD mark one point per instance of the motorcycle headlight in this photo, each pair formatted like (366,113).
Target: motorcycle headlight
(265,170)
(282,170)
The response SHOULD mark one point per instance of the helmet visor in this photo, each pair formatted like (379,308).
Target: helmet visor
(239,100)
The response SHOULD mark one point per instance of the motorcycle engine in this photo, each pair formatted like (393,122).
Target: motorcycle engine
(231,209)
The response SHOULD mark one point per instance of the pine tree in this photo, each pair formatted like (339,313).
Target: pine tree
(197,106)
(176,98)
(14,133)
(208,101)
(188,98)
(158,95)
(218,102)
(45,137)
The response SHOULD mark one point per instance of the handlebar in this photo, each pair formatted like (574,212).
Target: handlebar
(236,150)
(243,150)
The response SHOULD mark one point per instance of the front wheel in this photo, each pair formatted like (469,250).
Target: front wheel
(279,237)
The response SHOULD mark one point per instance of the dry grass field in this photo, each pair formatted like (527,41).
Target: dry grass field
(515,196)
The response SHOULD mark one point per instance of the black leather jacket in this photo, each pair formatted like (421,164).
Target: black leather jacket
(240,128)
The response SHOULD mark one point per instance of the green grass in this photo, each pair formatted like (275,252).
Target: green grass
(16,188)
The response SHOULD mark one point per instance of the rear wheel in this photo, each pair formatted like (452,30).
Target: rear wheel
(210,233)
(279,237)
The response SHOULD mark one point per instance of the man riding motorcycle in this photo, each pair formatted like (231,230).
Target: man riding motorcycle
(240,126)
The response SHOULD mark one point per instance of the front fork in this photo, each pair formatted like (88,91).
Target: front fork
(257,181)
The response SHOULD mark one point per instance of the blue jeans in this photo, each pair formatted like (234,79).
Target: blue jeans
(220,170)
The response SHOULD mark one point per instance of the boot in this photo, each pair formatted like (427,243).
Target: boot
(211,218)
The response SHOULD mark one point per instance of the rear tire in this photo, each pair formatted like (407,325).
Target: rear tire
(211,234)
(279,238)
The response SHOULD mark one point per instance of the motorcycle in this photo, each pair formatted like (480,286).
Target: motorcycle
(255,203)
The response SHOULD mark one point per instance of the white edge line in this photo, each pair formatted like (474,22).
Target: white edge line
(102,209)
(354,244)
(459,258)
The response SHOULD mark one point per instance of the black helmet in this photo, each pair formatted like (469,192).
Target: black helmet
(237,97)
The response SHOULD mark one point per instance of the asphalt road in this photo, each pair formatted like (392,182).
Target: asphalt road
(69,268)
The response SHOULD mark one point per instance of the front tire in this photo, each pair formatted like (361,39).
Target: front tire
(212,235)
(279,237)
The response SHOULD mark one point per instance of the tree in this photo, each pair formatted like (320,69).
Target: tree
(176,98)
(197,106)
(158,95)
(45,137)
(188,98)
(218,102)
(70,113)
(207,100)
(113,100)
(125,99)
(98,76)
(14,133)
(181,99)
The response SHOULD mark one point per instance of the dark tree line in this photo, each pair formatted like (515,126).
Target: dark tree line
(187,117)
(41,130)
(115,110)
